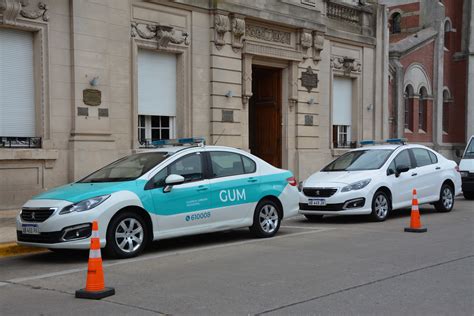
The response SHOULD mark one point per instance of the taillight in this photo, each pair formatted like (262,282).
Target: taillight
(292,181)
(457,168)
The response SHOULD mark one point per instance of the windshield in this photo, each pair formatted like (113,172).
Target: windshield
(469,153)
(360,160)
(127,168)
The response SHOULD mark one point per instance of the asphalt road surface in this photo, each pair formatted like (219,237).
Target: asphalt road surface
(342,265)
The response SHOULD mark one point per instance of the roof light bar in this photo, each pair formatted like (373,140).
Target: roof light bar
(179,142)
(396,141)
(387,141)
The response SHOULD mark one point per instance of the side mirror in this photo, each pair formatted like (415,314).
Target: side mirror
(172,180)
(401,169)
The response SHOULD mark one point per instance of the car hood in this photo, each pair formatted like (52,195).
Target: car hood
(76,192)
(338,178)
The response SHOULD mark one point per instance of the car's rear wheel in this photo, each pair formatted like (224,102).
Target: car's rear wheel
(381,206)
(446,199)
(266,219)
(313,218)
(468,195)
(127,235)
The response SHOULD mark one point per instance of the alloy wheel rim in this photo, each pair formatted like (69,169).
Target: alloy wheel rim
(447,198)
(129,235)
(381,206)
(268,218)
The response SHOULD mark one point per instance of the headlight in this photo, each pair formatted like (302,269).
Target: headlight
(84,205)
(464,174)
(356,185)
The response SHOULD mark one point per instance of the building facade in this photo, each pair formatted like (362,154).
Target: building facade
(428,72)
(85,82)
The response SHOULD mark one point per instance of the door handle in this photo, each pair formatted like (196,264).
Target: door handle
(202,188)
(251,180)
(414,174)
(437,168)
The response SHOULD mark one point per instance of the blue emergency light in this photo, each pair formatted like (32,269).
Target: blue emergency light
(396,141)
(179,141)
(387,141)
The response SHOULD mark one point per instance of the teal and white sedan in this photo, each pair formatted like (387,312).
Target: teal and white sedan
(164,193)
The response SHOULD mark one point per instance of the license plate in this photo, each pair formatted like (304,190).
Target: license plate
(30,229)
(317,202)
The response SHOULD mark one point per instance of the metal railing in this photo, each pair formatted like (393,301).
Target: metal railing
(342,12)
(20,142)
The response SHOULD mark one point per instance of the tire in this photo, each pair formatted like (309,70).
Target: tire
(313,218)
(381,206)
(446,199)
(266,219)
(127,235)
(468,195)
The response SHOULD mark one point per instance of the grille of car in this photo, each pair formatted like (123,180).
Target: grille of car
(36,214)
(319,192)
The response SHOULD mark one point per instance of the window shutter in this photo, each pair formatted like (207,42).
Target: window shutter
(17,90)
(156,83)
(342,101)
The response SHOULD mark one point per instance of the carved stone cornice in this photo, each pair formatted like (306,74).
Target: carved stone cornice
(161,33)
(305,41)
(318,45)
(42,12)
(267,34)
(346,64)
(12,9)
(238,32)
(221,26)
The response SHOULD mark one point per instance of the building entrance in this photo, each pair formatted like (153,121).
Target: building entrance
(265,130)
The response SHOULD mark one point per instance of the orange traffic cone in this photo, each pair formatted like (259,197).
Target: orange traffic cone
(415,223)
(95,288)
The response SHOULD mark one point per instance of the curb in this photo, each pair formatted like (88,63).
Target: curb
(13,249)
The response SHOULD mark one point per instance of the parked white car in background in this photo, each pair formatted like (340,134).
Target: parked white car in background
(466,166)
(378,179)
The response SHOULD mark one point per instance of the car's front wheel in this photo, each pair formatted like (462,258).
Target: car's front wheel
(266,219)
(381,206)
(468,195)
(127,235)
(446,199)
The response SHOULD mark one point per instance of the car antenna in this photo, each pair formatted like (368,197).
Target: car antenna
(218,137)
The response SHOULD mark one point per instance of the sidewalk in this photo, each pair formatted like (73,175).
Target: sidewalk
(7,226)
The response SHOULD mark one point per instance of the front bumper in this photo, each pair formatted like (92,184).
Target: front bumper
(339,203)
(468,183)
(58,231)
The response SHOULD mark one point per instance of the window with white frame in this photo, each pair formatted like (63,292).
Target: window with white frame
(342,112)
(156,96)
(17,89)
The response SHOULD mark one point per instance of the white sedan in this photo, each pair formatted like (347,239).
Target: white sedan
(378,179)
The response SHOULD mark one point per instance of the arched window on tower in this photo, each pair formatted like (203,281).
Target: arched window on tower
(423,110)
(408,98)
(447,34)
(395,22)
(447,100)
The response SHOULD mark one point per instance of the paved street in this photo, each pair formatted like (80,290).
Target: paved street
(342,265)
